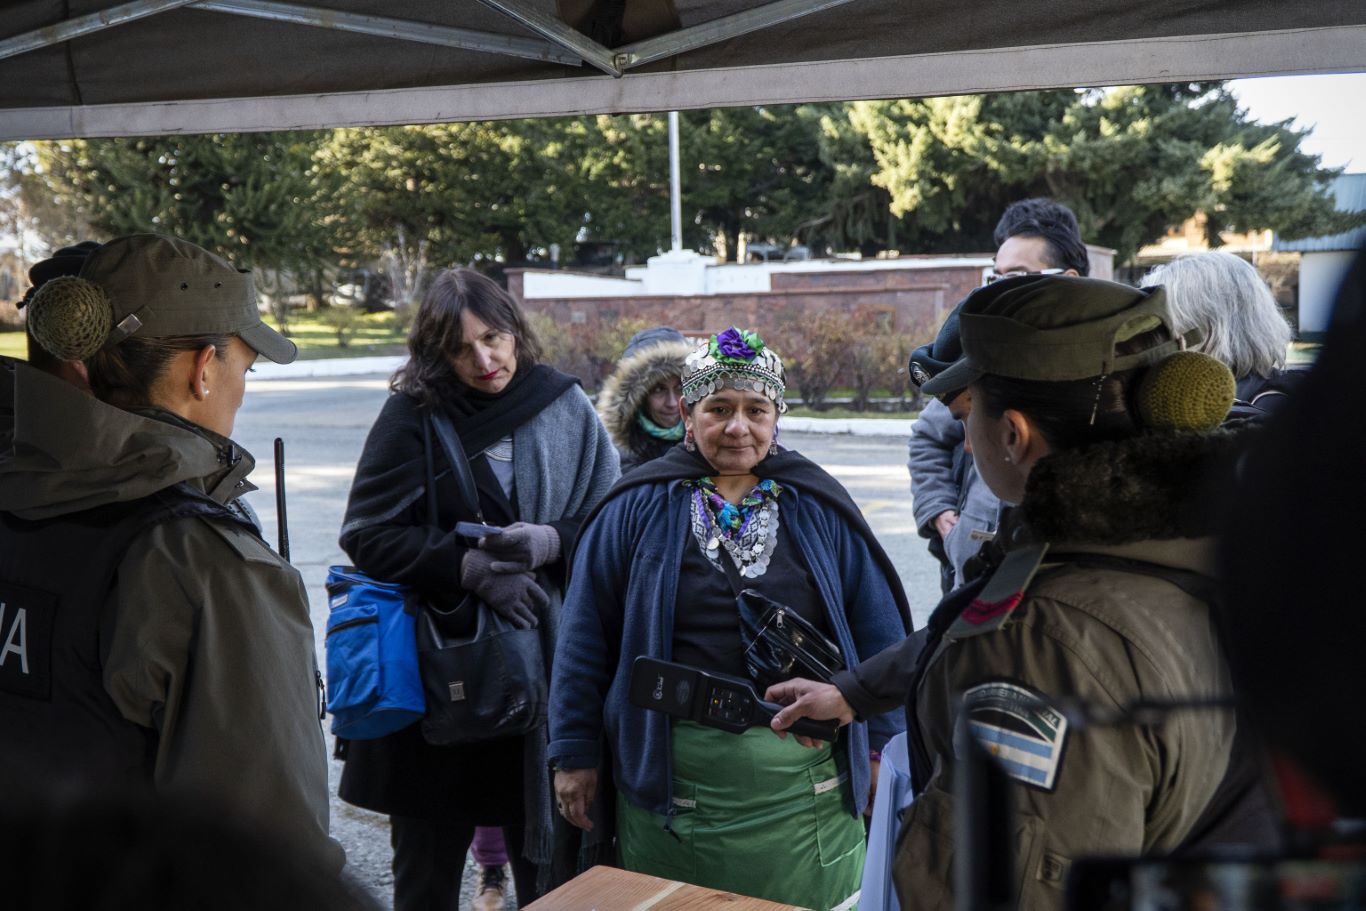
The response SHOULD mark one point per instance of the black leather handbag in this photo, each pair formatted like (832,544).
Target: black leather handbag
(481,684)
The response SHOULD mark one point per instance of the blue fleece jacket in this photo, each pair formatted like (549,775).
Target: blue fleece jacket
(620,604)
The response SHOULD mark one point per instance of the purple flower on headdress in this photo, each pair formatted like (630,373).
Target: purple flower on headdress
(737,345)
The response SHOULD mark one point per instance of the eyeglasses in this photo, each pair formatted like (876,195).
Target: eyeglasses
(993,277)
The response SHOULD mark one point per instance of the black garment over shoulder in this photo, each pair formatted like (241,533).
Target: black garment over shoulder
(1259,396)
(644,448)
(706,619)
(786,467)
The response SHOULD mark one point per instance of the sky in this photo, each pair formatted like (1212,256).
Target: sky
(1330,105)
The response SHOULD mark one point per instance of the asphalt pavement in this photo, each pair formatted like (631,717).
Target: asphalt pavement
(324,420)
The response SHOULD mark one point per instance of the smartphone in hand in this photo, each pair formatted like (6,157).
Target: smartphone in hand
(476,530)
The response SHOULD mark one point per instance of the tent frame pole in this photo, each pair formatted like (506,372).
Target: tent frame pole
(49,35)
(718,30)
(398,29)
(557,32)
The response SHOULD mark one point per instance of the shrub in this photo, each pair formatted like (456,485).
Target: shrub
(879,355)
(861,349)
(588,350)
(11,317)
(343,321)
(814,348)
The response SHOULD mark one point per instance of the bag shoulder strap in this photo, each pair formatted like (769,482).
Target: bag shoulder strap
(460,463)
(431,472)
(729,568)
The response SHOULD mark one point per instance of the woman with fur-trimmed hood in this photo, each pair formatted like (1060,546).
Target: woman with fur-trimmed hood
(639,401)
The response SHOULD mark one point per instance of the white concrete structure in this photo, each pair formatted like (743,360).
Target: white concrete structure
(688,273)
(1325,260)
(1321,274)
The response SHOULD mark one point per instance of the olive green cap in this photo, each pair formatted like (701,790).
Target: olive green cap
(162,287)
(1053,328)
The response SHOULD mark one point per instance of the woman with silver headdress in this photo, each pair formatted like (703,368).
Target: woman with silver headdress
(678,563)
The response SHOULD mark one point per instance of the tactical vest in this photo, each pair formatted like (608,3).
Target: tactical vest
(57,723)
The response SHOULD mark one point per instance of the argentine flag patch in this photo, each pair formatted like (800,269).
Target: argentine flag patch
(1016,726)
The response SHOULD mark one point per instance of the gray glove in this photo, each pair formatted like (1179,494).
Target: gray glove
(514,595)
(522,547)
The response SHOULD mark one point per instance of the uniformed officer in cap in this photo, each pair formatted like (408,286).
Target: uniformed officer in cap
(1086,411)
(149,638)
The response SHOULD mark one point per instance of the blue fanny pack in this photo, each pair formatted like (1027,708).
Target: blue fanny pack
(373,683)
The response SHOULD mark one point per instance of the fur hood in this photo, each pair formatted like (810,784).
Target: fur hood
(625,390)
(1151,487)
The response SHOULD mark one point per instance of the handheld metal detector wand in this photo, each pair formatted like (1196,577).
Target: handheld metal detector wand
(281,517)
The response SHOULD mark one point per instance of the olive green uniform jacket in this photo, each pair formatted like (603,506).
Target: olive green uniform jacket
(1054,627)
(212,645)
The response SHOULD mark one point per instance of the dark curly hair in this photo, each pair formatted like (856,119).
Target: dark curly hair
(1055,223)
(436,334)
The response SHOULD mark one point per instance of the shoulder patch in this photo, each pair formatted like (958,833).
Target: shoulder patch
(1017,726)
(1001,595)
(247,546)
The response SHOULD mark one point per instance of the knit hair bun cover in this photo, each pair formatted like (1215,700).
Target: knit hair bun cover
(1185,391)
(71,318)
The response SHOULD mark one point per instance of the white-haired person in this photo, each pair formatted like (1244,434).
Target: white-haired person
(1224,297)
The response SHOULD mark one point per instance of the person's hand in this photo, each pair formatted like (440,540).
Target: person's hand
(574,793)
(515,596)
(803,698)
(522,547)
(944,522)
(875,765)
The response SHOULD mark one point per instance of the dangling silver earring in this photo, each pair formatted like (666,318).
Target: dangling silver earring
(688,443)
(773,444)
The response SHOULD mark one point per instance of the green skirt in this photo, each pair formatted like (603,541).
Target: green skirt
(753,815)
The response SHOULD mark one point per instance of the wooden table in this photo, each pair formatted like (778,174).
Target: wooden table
(611,889)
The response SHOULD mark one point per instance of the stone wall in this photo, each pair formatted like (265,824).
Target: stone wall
(913,300)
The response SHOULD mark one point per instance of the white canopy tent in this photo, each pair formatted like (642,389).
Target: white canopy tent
(93,68)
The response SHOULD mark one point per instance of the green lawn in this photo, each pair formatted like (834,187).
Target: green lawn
(13,344)
(373,334)
(1302,354)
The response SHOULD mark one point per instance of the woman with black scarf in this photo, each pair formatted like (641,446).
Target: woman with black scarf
(541,460)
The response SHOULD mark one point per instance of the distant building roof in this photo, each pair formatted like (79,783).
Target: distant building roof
(1349,191)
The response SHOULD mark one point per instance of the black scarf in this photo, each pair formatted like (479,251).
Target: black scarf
(788,468)
(483,418)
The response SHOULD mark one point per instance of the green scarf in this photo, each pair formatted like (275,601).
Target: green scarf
(672,434)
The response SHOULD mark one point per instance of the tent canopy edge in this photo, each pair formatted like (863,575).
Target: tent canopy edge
(1333,49)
